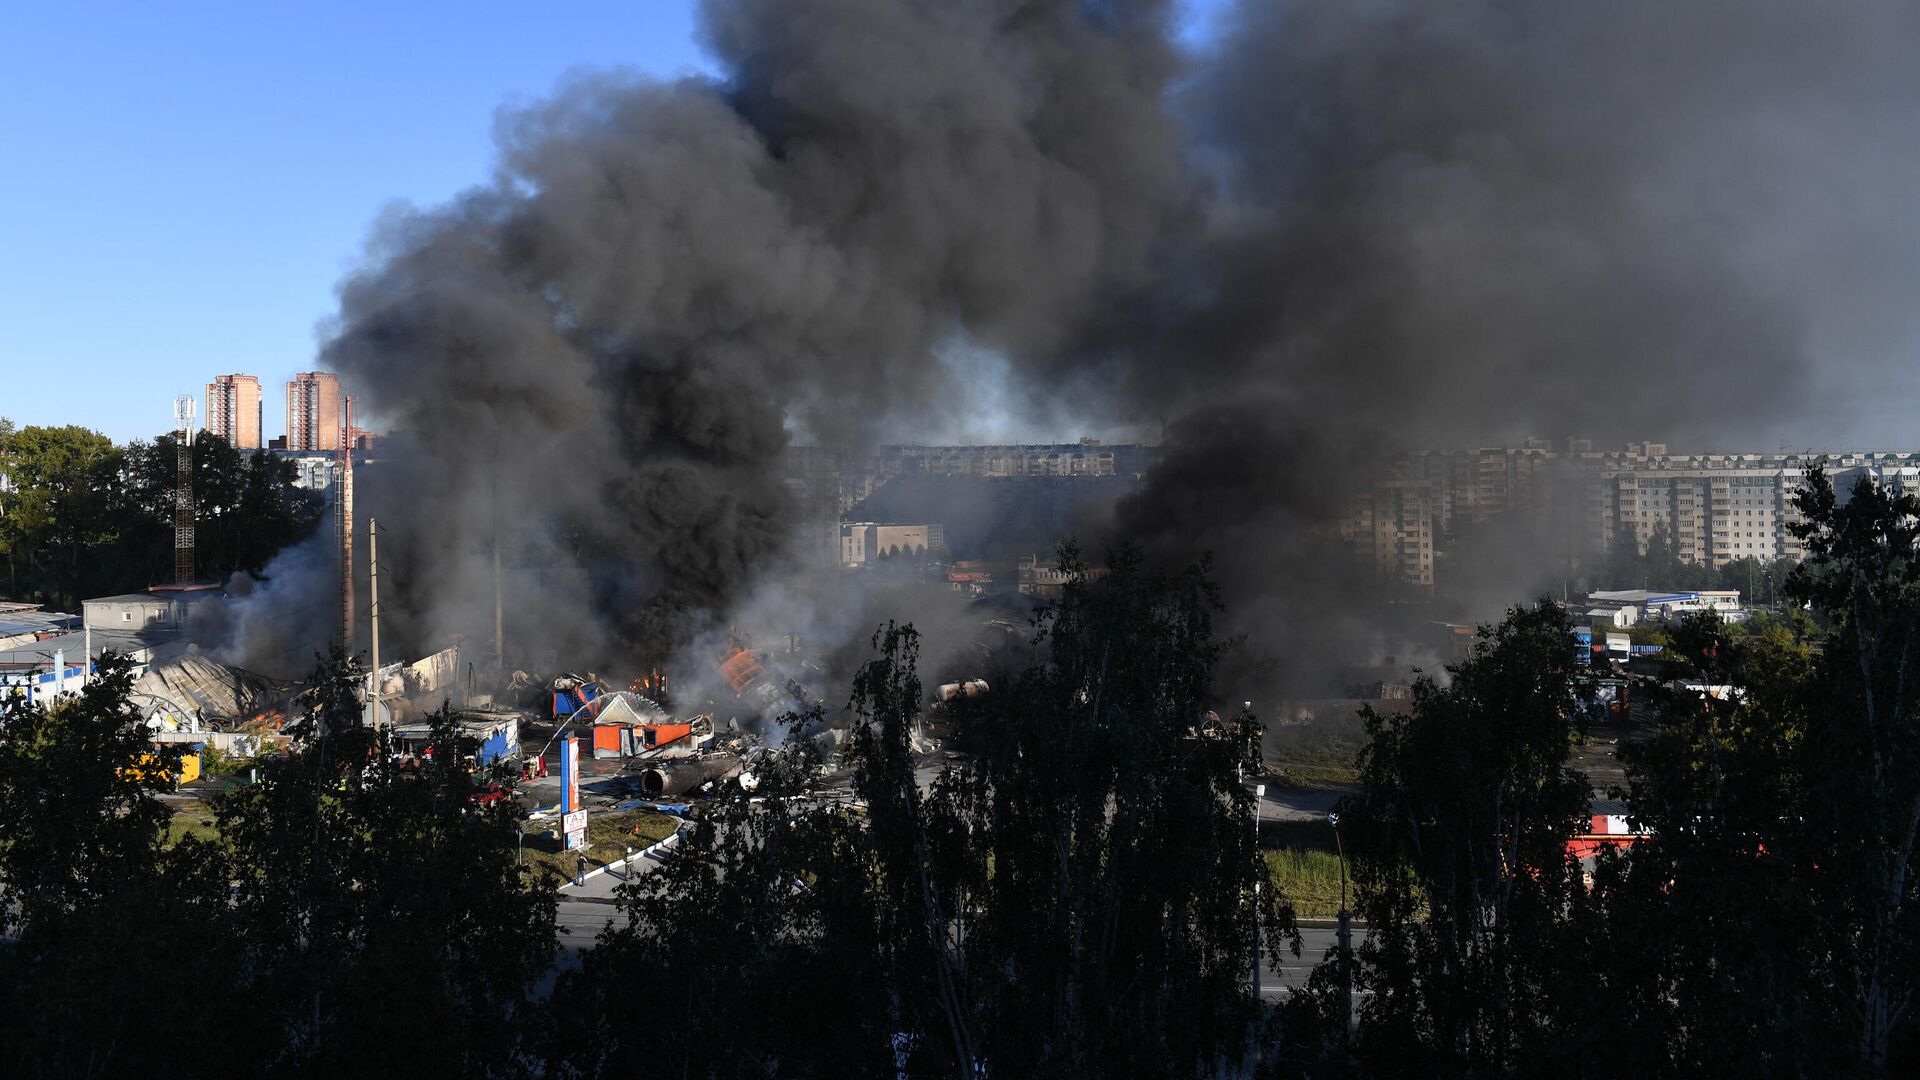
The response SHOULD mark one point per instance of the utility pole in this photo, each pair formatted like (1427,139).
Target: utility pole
(183,491)
(1343,937)
(373,610)
(499,620)
(499,624)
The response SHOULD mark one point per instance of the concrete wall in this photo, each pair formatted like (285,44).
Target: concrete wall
(134,612)
(883,538)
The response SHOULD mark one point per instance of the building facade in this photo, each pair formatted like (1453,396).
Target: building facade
(1394,522)
(1710,509)
(864,541)
(313,411)
(314,470)
(835,481)
(235,411)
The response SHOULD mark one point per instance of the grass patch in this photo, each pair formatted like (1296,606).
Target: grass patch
(1318,775)
(1316,762)
(608,837)
(1309,879)
(194,820)
(1303,864)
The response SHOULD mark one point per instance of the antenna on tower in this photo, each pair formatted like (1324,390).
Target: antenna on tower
(345,507)
(183,491)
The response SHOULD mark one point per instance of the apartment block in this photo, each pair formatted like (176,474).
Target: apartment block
(1710,515)
(235,411)
(841,479)
(1711,509)
(1394,522)
(313,411)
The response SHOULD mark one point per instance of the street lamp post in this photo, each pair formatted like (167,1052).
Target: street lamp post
(1343,936)
(1259,793)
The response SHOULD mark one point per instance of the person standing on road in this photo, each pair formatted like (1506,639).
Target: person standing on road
(579,871)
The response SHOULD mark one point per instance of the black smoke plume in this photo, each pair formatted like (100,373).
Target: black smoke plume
(598,359)
(1335,229)
(1448,225)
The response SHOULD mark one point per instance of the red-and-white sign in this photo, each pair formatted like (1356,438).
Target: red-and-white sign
(569,775)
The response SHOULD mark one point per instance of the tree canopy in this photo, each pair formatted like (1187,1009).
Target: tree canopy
(1764,919)
(1067,889)
(81,517)
(1074,898)
(348,917)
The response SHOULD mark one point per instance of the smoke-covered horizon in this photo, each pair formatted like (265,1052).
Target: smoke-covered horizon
(1333,229)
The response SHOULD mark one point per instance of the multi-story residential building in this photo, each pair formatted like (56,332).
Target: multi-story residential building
(235,411)
(1088,457)
(1708,515)
(843,478)
(1709,508)
(1394,521)
(313,411)
(314,470)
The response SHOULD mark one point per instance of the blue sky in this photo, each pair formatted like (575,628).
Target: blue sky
(182,184)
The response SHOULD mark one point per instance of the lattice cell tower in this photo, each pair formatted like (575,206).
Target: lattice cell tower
(183,491)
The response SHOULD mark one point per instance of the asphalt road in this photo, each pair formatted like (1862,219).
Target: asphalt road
(1287,804)
(1316,942)
(581,920)
(584,911)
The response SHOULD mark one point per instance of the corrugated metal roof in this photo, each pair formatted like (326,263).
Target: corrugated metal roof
(199,685)
(35,622)
(73,644)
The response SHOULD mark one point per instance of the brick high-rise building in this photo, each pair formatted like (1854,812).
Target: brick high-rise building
(235,411)
(313,411)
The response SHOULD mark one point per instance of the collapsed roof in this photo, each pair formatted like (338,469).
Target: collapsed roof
(198,688)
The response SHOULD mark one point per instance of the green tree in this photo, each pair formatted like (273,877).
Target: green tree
(246,507)
(1461,869)
(1862,575)
(77,799)
(359,888)
(55,508)
(1717,951)
(349,918)
(1777,904)
(1760,581)
(1075,899)
(1667,567)
(1098,858)
(100,918)
(84,518)
(1744,574)
(766,912)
